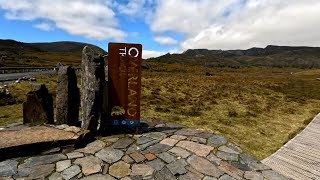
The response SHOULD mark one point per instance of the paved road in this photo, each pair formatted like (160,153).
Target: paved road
(13,76)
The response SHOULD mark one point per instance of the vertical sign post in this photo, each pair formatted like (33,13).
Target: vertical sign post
(124,84)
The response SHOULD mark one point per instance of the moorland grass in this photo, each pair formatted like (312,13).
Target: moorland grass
(258,109)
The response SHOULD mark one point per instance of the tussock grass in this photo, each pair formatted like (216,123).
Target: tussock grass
(258,109)
(13,113)
(10,114)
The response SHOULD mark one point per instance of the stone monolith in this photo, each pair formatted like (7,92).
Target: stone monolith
(38,108)
(92,85)
(68,97)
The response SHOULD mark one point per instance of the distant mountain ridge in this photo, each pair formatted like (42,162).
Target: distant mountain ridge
(15,53)
(255,51)
(60,46)
(272,56)
(64,46)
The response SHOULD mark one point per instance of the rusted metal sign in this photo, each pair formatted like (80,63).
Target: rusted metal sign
(124,81)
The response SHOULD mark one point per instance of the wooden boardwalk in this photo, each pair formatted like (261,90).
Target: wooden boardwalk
(300,157)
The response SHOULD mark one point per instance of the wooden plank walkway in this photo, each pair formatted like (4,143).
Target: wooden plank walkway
(300,157)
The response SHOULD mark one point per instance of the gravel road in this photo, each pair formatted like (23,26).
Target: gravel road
(14,76)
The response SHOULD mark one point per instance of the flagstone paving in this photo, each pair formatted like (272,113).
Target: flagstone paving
(159,152)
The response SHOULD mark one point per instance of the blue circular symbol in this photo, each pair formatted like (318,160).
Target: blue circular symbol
(124,122)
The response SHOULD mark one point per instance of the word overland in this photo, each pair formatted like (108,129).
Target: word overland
(124,68)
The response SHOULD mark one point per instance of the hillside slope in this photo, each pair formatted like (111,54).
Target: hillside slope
(64,46)
(273,56)
(14,53)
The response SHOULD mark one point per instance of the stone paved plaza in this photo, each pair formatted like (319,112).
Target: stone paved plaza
(159,151)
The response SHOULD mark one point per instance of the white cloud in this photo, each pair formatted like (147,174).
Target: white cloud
(238,24)
(134,34)
(136,9)
(90,19)
(150,53)
(165,40)
(132,8)
(44,26)
(188,16)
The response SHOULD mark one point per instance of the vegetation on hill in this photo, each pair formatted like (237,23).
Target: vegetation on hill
(64,46)
(13,53)
(271,56)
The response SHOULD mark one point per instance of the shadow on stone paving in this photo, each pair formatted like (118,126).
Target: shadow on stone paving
(144,127)
(18,140)
(66,145)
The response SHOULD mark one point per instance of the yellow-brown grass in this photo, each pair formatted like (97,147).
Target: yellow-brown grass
(258,109)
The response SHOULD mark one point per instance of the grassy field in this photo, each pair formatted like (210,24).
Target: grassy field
(258,109)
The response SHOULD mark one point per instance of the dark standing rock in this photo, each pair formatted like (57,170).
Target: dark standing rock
(68,97)
(92,84)
(38,108)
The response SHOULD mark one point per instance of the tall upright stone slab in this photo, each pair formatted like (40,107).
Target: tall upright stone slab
(38,108)
(92,84)
(68,97)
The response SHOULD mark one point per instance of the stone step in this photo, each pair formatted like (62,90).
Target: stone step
(23,140)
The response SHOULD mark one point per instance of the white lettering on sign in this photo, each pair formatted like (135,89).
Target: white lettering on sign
(131,53)
(123,51)
(134,49)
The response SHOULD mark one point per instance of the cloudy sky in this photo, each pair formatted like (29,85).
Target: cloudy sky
(163,26)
